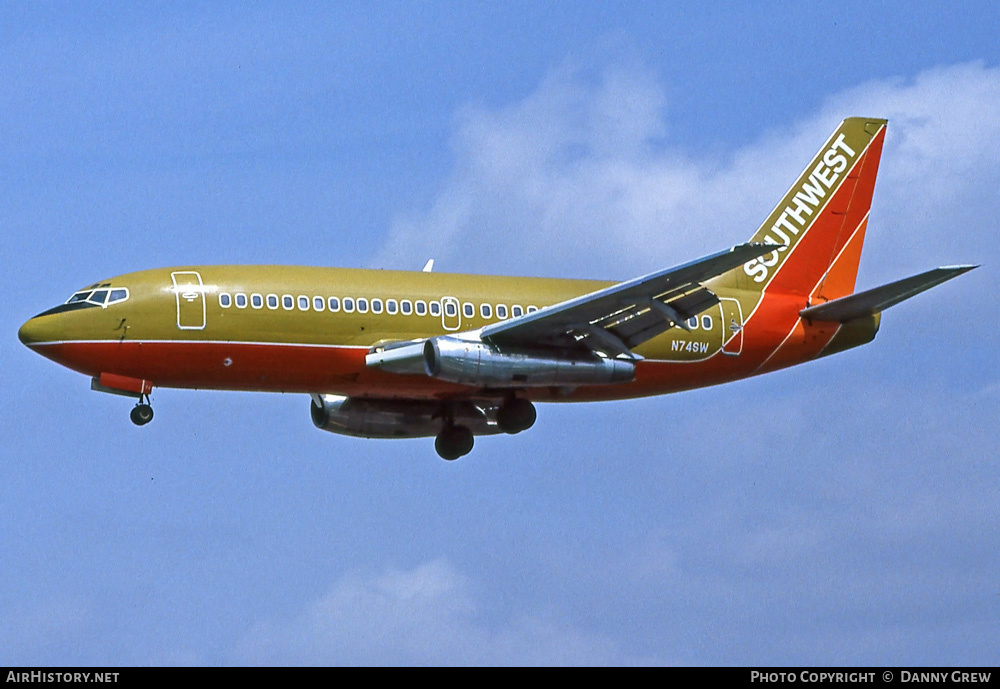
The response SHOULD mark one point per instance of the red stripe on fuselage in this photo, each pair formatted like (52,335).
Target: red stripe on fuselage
(273,367)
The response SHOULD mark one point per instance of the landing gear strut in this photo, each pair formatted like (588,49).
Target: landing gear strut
(142,412)
(516,415)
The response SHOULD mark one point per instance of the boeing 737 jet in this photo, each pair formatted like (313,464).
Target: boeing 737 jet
(388,354)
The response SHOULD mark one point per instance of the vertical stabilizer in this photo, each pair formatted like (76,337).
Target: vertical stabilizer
(819,225)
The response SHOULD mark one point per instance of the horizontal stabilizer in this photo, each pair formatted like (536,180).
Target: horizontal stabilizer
(876,300)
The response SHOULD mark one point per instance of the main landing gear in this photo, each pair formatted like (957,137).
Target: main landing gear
(516,415)
(142,412)
(454,441)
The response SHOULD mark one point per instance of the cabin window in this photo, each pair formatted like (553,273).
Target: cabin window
(287,302)
(225,300)
(117,295)
(334,304)
(348,305)
(501,311)
(450,309)
(436,308)
(406,307)
(319,304)
(257,301)
(516,311)
(376,306)
(303,303)
(272,301)
(532,309)
(469,310)
(362,305)
(706,322)
(421,308)
(693,322)
(486,311)
(391,306)
(241,301)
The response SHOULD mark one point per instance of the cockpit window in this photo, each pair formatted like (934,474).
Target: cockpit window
(99,297)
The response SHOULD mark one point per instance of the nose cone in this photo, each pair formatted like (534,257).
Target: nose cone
(30,333)
(38,330)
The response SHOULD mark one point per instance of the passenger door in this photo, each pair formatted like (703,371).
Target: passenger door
(190,294)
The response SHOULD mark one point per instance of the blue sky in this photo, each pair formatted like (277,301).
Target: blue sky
(852,519)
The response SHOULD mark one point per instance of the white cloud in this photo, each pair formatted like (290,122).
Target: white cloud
(429,615)
(580,179)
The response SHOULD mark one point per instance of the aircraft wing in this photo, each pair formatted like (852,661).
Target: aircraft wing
(616,319)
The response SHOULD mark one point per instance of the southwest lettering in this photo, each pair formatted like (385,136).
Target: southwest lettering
(835,162)
(783,222)
(812,194)
(784,237)
(773,256)
(800,207)
(755,270)
(839,143)
(801,210)
(820,173)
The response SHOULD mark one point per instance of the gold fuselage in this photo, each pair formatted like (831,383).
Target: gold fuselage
(260,328)
(214,327)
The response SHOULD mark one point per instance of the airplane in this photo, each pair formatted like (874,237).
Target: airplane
(393,354)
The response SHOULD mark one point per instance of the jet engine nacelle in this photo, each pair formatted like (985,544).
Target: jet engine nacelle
(370,418)
(474,362)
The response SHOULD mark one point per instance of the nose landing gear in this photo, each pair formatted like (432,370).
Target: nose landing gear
(142,412)
(114,384)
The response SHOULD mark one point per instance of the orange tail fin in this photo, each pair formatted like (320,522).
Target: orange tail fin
(819,225)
